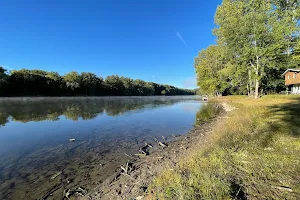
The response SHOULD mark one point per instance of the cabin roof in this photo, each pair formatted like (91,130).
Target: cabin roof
(290,70)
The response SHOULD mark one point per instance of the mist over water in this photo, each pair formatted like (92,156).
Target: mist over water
(35,133)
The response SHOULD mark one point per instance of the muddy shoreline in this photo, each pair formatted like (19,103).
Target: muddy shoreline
(110,165)
(45,164)
(134,182)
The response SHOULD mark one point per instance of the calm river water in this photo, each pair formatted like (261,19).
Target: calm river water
(37,157)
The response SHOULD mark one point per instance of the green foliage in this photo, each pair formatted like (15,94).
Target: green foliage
(115,85)
(89,82)
(72,81)
(210,68)
(3,79)
(256,41)
(207,112)
(42,83)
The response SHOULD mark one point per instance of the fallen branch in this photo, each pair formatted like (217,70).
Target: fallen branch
(285,188)
(162,144)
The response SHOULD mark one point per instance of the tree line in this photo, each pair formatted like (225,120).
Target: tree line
(26,82)
(257,40)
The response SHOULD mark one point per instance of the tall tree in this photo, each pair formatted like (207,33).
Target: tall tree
(210,67)
(72,81)
(257,35)
(54,82)
(115,85)
(3,79)
(89,82)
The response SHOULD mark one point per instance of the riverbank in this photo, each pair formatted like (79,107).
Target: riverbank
(133,178)
(38,160)
(253,153)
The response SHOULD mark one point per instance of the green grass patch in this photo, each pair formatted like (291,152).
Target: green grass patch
(208,111)
(254,154)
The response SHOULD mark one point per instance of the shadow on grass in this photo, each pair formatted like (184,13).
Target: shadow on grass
(289,122)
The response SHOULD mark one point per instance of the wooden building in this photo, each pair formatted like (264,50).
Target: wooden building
(292,80)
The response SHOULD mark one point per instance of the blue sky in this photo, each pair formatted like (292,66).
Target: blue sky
(153,40)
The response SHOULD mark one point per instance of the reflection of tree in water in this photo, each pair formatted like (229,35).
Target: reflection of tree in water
(3,118)
(26,111)
(72,112)
(84,163)
(119,107)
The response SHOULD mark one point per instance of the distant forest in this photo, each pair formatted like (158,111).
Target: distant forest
(26,82)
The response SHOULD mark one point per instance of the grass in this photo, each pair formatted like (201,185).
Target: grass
(207,112)
(253,154)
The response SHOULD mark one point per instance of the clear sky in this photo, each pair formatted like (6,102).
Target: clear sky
(153,40)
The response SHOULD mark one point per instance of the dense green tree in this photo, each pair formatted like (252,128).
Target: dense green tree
(139,87)
(128,86)
(115,85)
(213,76)
(258,40)
(3,79)
(89,82)
(72,81)
(149,88)
(27,82)
(54,81)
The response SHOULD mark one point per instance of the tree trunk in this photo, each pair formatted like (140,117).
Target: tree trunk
(249,86)
(256,79)
(256,88)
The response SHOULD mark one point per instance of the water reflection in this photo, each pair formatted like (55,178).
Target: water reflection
(75,109)
(34,139)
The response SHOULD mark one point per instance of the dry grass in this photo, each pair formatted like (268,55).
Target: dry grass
(254,154)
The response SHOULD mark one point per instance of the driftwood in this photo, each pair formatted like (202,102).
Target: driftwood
(126,169)
(162,144)
(67,193)
(148,145)
(158,157)
(78,191)
(56,175)
(284,188)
